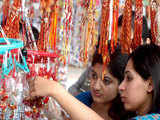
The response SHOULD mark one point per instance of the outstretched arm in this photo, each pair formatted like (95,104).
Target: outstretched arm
(76,109)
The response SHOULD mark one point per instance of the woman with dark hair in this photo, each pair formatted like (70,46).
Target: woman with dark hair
(140,89)
(103,96)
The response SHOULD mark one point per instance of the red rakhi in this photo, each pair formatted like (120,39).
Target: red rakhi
(153,24)
(41,57)
(12,24)
(103,49)
(114,34)
(6,4)
(125,40)
(38,103)
(138,24)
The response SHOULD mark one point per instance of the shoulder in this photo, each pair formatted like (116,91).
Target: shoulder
(153,116)
(85,97)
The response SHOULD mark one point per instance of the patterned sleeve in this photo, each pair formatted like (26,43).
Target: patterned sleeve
(153,116)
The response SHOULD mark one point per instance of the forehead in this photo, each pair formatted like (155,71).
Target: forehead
(129,65)
(100,68)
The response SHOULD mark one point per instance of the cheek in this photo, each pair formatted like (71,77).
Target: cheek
(136,95)
(110,93)
(92,83)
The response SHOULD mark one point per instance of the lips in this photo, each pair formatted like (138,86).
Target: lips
(97,94)
(123,99)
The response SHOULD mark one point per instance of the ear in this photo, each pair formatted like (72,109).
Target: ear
(149,85)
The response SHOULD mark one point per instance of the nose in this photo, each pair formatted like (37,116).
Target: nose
(97,85)
(122,86)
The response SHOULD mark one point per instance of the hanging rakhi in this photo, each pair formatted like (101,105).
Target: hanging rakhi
(12,24)
(114,33)
(89,31)
(158,24)
(125,40)
(42,41)
(8,105)
(104,36)
(153,24)
(138,24)
(38,67)
(43,36)
(83,28)
(96,14)
(53,29)
(6,4)
(67,29)
(91,36)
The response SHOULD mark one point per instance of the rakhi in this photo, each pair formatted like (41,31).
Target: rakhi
(88,35)
(53,29)
(114,37)
(68,6)
(9,68)
(125,40)
(12,24)
(83,29)
(138,24)
(158,24)
(6,4)
(38,103)
(43,37)
(40,43)
(153,24)
(104,36)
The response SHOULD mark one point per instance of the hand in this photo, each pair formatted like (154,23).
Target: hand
(44,87)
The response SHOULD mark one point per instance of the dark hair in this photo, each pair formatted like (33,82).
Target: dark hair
(144,28)
(97,58)
(146,62)
(116,67)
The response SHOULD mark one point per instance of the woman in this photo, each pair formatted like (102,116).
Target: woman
(104,89)
(140,89)
(103,97)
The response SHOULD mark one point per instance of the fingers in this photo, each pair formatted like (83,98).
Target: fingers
(32,89)
(31,84)
(35,86)
(33,94)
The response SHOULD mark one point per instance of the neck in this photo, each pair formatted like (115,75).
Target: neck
(102,109)
(145,108)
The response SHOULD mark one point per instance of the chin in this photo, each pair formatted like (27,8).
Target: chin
(98,100)
(129,108)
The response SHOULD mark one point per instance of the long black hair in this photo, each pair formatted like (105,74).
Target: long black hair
(146,62)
